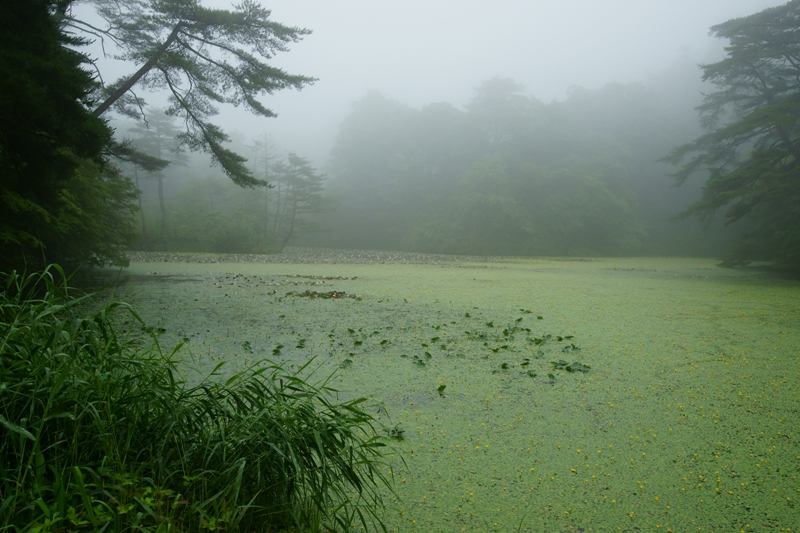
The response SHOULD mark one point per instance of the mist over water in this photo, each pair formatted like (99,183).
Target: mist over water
(423,52)
(602,90)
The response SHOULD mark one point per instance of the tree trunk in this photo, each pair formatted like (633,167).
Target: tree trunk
(291,226)
(277,210)
(161,205)
(266,192)
(141,209)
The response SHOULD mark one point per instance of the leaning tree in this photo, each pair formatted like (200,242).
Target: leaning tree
(201,57)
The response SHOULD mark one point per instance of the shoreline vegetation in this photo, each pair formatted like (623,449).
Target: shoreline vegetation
(309,255)
(101,431)
(301,255)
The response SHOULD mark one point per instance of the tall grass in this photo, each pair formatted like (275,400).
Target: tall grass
(98,432)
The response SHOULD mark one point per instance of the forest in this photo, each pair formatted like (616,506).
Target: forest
(564,307)
(597,173)
(513,176)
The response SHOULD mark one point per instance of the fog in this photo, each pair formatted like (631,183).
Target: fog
(424,115)
(422,52)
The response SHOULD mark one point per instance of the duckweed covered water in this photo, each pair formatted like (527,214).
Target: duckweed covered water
(681,412)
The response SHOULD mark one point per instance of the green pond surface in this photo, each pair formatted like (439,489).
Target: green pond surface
(686,419)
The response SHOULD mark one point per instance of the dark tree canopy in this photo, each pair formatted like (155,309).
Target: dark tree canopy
(202,57)
(51,146)
(507,176)
(61,199)
(751,149)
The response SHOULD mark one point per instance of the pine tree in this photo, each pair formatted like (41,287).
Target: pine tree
(751,150)
(51,148)
(202,58)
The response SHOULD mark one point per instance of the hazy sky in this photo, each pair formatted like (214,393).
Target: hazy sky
(420,52)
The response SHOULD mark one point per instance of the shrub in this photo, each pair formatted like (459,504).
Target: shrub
(99,432)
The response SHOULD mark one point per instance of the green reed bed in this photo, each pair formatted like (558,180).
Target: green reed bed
(99,431)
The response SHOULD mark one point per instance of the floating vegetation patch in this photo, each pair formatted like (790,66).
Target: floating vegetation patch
(685,420)
(323,278)
(330,295)
(397,432)
(575,366)
(316,256)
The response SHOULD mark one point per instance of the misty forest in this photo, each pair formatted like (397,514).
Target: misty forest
(250,284)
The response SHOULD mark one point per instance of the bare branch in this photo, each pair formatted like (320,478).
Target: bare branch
(94,30)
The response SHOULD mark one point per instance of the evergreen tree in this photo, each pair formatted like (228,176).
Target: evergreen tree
(56,194)
(201,57)
(751,149)
(299,194)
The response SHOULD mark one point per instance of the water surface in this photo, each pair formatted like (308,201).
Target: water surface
(686,421)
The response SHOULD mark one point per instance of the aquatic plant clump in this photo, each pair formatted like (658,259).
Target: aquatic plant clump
(329,295)
(100,431)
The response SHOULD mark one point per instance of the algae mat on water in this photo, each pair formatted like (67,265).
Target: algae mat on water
(681,411)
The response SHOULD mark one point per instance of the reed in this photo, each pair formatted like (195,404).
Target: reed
(99,431)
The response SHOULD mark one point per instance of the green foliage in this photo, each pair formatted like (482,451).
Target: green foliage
(99,431)
(298,194)
(501,118)
(511,175)
(95,217)
(205,216)
(50,147)
(211,216)
(59,196)
(157,137)
(202,57)
(752,144)
(534,210)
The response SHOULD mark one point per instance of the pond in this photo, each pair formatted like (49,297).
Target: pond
(615,394)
